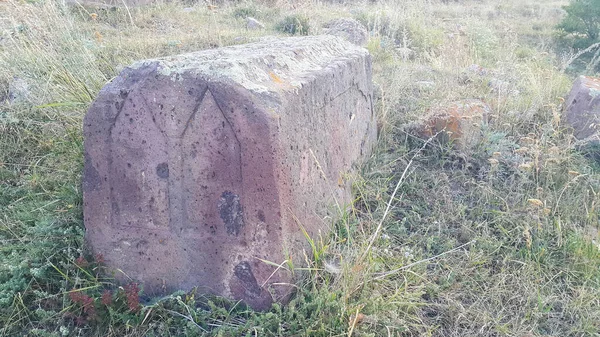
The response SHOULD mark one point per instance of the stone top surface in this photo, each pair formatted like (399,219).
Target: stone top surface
(272,64)
(592,83)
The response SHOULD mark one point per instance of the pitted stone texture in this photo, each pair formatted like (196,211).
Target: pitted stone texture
(349,29)
(459,123)
(201,167)
(583,108)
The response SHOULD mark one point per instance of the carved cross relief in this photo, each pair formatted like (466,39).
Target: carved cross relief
(175,164)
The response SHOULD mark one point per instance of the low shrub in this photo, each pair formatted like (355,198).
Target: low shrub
(294,25)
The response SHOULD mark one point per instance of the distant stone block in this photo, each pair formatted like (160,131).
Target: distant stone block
(583,108)
(349,29)
(201,167)
(253,24)
(460,122)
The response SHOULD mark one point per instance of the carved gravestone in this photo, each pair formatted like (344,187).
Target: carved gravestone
(204,169)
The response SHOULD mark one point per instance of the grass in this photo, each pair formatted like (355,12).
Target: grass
(467,247)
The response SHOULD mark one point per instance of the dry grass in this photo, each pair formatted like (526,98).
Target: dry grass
(466,247)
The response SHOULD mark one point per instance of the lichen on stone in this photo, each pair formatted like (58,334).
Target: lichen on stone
(252,65)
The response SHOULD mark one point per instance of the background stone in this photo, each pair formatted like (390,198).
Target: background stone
(349,29)
(583,108)
(18,91)
(252,23)
(459,122)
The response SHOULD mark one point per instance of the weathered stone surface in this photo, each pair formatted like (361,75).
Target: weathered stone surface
(253,24)
(349,29)
(583,108)
(459,123)
(201,167)
(18,91)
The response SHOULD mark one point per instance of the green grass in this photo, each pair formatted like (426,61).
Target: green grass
(468,246)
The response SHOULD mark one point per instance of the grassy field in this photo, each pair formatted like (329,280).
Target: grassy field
(497,239)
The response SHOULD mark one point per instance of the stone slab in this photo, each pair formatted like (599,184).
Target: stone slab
(459,123)
(349,29)
(583,108)
(201,167)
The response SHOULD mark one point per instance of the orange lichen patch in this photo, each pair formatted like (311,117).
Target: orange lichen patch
(279,82)
(457,121)
(591,82)
(275,78)
(98,36)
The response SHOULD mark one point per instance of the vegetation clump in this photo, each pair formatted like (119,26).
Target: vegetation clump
(245,12)
(294,25)
(582,22)
(580,31)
